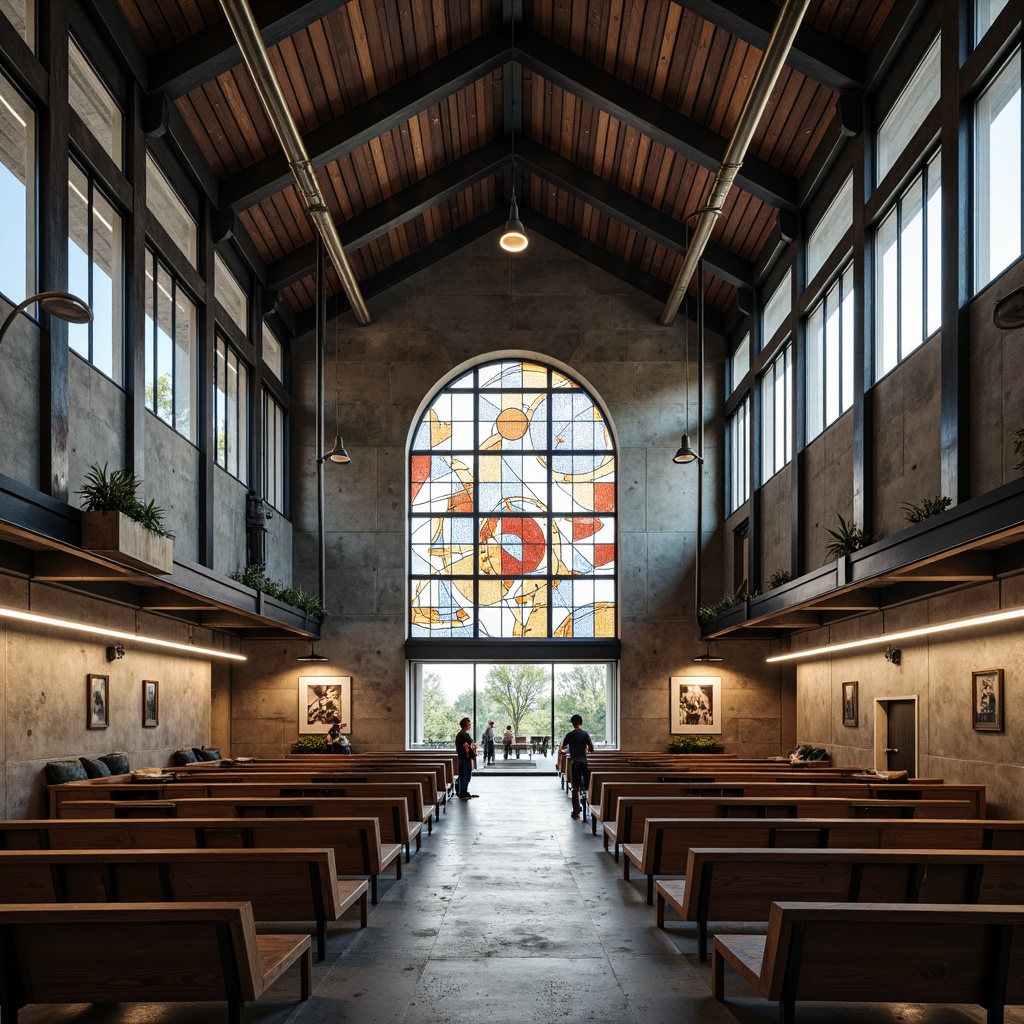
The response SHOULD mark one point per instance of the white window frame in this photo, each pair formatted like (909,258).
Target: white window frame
(828,347)
(776,414)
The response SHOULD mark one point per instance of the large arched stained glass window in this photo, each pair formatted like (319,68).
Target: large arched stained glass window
(512,509)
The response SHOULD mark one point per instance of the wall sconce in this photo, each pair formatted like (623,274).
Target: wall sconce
(893,655)
(62,305)
(115,653)
(312,656)
(1008,314)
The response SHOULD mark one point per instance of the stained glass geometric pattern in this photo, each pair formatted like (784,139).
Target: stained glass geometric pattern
(512,516)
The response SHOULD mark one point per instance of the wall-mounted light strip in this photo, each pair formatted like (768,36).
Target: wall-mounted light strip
(905,634)
(116,634)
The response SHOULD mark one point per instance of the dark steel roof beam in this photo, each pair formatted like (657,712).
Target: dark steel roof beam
(626,208)
(381,218)
(815,54)
(658,121)
(356,127)
(212,51)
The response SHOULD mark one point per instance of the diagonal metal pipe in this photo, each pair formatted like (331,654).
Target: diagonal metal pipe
(772,61)
(247,34)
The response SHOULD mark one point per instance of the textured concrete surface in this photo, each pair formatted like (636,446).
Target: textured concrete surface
(512,912)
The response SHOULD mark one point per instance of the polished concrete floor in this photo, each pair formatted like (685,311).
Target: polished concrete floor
(511,912)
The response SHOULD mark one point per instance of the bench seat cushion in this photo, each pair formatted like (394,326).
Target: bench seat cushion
(65,771)
(95,768)
(117,762)
(184,756)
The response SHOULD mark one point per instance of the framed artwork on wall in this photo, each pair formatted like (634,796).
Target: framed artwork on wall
(97,714)
(695,704)
(321,700)
(150,703)
(987,700)
(850,705)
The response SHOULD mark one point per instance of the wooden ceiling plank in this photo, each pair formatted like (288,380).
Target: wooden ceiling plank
(637,110)
(211,51)
(814,53)
(356,127)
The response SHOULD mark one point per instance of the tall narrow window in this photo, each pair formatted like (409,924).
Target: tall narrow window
(776,310)
(273,354)
(908,268)
(829,231)
(17,193)
(739,455)
(273,452)
(96,273)
(739,364)
(512,521)
(92,101)
(171,326)
(997,174)
(231,411)
(231,295)
(170,212)
(776,422)
(909,111)
(986,12)
(829,348)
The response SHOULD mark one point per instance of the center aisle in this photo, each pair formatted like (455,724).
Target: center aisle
(513,912)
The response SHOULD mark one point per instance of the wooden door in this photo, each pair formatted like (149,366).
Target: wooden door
(901,736)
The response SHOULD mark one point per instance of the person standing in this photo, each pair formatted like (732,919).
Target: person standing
(489,743)
(466,749)
(578,744)
(506,741)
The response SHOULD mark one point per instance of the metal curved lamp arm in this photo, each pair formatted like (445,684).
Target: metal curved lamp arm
(62,305)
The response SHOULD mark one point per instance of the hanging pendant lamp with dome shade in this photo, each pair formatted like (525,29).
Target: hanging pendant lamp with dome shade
(686,452)
(513,238)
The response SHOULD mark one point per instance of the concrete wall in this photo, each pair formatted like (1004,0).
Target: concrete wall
(776,517)
(228,523)
(937,670)
(828,490)
(480,301)
(19,400)
(43,686)
(906,438)
(173,482)
(96,412)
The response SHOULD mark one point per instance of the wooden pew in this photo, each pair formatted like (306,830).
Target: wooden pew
(281,885)
(667,841)
(287,784)
(931,954)
(632,812)
(355,841)
(740,885)
(391,812)
(142,952)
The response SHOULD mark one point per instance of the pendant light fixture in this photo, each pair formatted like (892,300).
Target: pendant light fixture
(513,238)
(338,453)
(686,453)
(707,656)
(312,656)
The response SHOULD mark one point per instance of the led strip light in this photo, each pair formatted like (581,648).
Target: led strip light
(116,634)
(904,634)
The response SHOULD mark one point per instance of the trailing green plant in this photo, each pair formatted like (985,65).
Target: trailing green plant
(707,612)
(693,744)
(779,578)
(847,539)
(316,744)
(929,507)
(117,491)
(254,576)
(1018,448)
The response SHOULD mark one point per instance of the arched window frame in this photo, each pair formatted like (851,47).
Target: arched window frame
(469,644)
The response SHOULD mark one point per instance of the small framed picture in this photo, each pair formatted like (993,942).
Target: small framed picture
(987,697)
(695,704)
(97,715)
(321,700)
(150,703)
(850,705)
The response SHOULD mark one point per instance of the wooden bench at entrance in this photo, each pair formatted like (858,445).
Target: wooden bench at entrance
(355,842)
(667,841)
(141,953)
(281,885)
(391,812)
(740,885)
(930,954)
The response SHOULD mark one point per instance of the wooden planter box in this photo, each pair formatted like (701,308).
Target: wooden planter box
(113,535)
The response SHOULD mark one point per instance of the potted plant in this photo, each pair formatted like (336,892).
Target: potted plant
(690,744)
(117,524)
(315,744)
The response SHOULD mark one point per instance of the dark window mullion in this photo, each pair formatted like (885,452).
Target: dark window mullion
(89,245)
